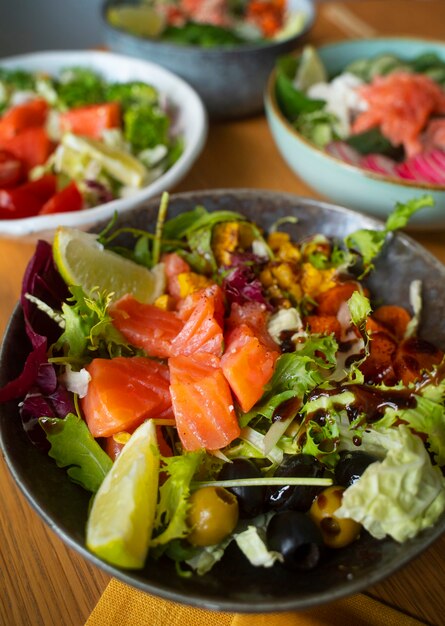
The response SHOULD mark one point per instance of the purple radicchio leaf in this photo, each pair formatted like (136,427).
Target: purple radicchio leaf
(49,400)
(18,387)
(98,192)
(42,280)
(241,283)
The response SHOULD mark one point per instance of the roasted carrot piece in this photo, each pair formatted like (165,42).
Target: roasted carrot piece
(378,367)
(323,325)
(393,318)
(330,301)
(413,357)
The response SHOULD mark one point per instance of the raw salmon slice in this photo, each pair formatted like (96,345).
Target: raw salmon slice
(146,326)
(123,392)
(202,402)
(247,365)
(202,313)
(401,105)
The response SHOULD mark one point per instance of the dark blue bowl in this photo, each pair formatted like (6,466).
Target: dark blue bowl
(234,585)
(230,80)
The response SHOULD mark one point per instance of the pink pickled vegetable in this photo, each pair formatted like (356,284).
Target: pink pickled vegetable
(380,164)
(344,152)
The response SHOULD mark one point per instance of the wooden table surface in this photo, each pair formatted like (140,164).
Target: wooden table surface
(42,582)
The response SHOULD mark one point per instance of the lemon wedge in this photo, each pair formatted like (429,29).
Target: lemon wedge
(311,69)
(121,519)
(82,260)
(138,20)
(122,165)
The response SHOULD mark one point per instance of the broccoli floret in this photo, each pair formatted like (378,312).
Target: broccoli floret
(129,94)
(78,86)
(145,127)
(175,151)
(19,80)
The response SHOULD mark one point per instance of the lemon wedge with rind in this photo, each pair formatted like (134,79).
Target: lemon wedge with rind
(138,20)
(121,165)
(121,519)
(82,260)
(311,69)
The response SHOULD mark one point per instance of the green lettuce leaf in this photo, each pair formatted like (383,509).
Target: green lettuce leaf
(400,495)
(184,224)
(89,331)
(296,373)
(171,513)
(73,447)
(368,243)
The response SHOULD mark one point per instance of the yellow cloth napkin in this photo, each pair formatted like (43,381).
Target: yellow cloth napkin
(121,605)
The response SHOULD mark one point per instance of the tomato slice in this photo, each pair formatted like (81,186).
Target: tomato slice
(27,200)
(68,199)
(11,170)
(123,392)
(202,402)
(26,115)
(32,146)
(91,120)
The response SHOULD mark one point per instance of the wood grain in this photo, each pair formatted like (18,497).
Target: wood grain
(45,583)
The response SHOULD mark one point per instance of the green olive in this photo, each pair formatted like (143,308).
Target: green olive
(213,515)
(337,532)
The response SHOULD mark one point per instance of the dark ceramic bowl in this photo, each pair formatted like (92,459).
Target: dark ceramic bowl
(230,80)
(233,585)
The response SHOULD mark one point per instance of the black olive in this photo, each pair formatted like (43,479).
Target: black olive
(351,466)
(250,499)
(293,497)
(297,538)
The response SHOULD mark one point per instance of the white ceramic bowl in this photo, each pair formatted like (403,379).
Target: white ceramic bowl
(346,184)
(191,123)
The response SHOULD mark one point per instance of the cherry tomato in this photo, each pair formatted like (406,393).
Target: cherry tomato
(68,199)
(11,170)
(26,200)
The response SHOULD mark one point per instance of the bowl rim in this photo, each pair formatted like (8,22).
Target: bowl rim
(271,100)
(309,8)
(198,130)
(267,606)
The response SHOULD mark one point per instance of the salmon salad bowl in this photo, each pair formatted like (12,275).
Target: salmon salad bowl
(363,122)
(233,399)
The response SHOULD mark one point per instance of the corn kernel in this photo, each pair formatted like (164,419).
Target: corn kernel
(189,282)
(225,240)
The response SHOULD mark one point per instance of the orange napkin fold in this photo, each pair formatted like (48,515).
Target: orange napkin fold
(121,605)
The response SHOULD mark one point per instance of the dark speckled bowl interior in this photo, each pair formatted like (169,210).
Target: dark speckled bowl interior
(233,585)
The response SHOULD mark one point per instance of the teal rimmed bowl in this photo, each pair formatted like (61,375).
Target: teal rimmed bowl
(341,182)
